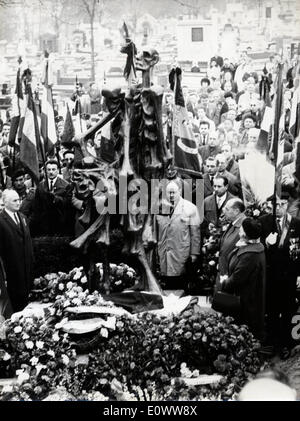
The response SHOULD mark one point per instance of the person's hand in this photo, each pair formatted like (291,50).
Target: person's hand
(193,258)
(272,238)
(223,278)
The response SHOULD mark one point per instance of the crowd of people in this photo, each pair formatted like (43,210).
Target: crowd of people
(257,260)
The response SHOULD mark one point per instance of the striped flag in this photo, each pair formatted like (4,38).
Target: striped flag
(48,127)
(185,150)
(18,105)
(30,142)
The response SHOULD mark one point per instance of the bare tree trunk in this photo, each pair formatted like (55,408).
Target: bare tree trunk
(92,50)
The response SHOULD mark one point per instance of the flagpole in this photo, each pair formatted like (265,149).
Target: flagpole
(276,134)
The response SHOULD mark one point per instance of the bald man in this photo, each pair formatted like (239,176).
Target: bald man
(15,250)
(178,238)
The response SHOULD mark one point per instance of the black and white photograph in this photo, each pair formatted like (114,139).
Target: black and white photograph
(149,203)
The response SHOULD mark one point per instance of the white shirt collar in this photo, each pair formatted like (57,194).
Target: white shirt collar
(12,214)
(53,181)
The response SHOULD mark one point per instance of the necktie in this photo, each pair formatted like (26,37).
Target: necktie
(16,219)
(279,226)
(51,185)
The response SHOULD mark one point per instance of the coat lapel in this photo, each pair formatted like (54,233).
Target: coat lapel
(11,222)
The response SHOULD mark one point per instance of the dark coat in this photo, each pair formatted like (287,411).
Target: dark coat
(246,270)
(211,211)
(228,242)
(17,256)
(50,210)
(208,186)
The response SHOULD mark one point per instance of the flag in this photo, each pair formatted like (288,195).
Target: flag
(294,124)
(69,130)
(48,127)
(18,105)
(277,149)
(185,150)
(30,141)
(263,143)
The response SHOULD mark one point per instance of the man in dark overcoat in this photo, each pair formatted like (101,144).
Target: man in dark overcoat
(15,250)
(283,267)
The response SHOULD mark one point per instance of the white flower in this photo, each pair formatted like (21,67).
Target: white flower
(50,352)
(29,320)
(71,294)
(70,284)
(212,263)
(65,359)
(55,337)
(76,302)
(6,357)
(256,212)
(130,274)
(84,280)
(61,287)
(39,344)
(17,329)
(34,361)
(66,303)
(104,332)
(25,336)
(77,276)
(29,344)
(22,376)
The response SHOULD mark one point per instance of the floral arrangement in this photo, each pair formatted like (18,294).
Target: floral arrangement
(47,288)
(146,354)
(39,355)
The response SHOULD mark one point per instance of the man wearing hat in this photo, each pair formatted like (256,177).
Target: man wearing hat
(246,276)
(281,238)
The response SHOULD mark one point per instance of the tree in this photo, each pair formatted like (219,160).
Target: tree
(90,7)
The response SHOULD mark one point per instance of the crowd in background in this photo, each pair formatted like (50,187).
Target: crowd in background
(225,114)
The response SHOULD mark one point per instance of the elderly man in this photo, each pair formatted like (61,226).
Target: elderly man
(234,213)
(178,237)
(15,250)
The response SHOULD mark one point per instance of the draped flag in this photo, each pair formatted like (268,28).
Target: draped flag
(18,105)
(48,128)
(69,130)
(30,141)
(185,150)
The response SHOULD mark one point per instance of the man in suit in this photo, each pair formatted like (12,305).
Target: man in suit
(212,147)
(234,185)
(208,176)
(234,212)
(214,204)
(50,204)
(282,244)
(204,127)
(15,250)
